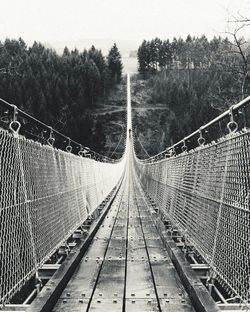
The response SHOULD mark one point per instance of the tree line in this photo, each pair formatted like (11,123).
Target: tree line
(193,52)
(219,55)
(60,90)
(195,78)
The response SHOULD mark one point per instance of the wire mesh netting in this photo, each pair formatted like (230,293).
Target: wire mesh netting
(206,193)
(45,194)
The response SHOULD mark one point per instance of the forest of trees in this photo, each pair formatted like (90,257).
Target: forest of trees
(60,90)
(195,78)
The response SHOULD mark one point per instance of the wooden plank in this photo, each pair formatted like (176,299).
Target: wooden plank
(169,289)
(141,305)
(82,282)
(71,305)
(103,305)
(139,280)
(140,293)
(174,305)
(110,286)
(111,282)
(80,288)
(45,301)
(117,249)
(198,294)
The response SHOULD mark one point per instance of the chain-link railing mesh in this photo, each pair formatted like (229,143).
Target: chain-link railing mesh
(206,193)
(45,195)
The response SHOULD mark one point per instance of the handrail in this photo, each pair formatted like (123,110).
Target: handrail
(228,112)
(83,149)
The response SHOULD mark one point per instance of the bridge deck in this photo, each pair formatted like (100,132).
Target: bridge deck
(126,268)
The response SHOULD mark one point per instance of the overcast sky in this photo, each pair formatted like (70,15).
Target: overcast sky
(63,20)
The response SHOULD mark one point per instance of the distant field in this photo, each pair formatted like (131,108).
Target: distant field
(129,65)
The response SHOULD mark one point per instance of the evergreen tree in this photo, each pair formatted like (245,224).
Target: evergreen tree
(59,90)
(115,64)
(91,80)
(143,55)
(66,52)
(195,78)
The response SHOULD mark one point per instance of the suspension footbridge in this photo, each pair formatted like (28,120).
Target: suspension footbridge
(81,232)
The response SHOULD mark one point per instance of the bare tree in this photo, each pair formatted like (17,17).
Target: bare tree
(241,67)
(241,48)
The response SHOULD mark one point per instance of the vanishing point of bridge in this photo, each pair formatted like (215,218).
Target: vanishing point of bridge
(81,232)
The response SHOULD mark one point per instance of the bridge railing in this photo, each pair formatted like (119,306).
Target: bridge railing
(232,120)
(21,122)
(46,194)
(205,192)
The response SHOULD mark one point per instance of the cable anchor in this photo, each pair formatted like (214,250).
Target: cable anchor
(69,147)
(232,125)
(15,125)
(184,146)
(81,151)
(51,139)
(172,152)
(201,140)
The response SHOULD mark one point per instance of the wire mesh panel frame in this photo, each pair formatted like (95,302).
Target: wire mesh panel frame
(206,192)
(45,195)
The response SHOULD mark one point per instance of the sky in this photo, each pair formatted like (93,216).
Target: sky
(128,20)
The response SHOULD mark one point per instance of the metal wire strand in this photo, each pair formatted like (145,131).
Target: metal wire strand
(206,192)
(46,194)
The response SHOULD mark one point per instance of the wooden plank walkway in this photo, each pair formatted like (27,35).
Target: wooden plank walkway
(127,267)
